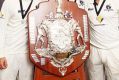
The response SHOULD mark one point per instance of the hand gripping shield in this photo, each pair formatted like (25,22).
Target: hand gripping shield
(57,43)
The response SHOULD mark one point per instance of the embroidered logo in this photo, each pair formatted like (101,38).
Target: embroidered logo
(81,2)
(108,8)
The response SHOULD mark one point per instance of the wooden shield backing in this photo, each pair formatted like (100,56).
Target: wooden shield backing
(36,16)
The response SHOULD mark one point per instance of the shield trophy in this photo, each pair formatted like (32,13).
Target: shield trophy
(58,36)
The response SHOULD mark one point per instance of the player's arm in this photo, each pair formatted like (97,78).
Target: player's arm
(4,16)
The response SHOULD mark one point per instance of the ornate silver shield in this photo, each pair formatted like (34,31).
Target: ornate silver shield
(58,41)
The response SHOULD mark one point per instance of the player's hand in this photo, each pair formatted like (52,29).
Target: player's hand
(3,63)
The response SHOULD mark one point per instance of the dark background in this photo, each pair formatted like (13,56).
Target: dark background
(1,2)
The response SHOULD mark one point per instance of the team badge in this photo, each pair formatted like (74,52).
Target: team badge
(100,18)
(80,3)
(108,8)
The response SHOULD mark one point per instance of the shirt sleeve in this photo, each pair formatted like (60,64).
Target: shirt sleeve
(4,16)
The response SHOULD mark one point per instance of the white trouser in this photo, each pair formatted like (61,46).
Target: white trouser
(19,68)
(103,64)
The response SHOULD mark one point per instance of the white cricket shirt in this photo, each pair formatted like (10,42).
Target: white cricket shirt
(105,34)
(13,38)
